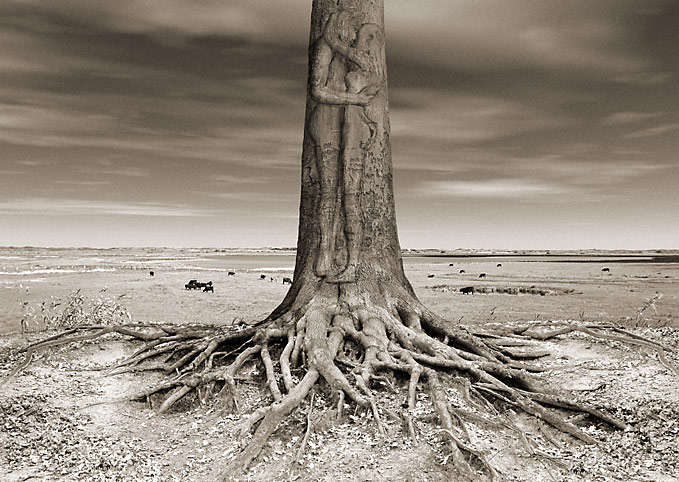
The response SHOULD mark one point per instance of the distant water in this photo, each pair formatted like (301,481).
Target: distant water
(53,271)
(15,268)
(251,262)
(17,265)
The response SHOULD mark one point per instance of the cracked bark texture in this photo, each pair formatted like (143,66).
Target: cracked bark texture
(347,218)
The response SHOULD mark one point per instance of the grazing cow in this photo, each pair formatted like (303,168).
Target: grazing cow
(462,271)
(196,285)
(482,275)
(607,270)
(430,276)
(151,273)
(262,276)
(287,280)
(272,279)
(209,288)
(231,273)
(499,265)
(451,264)
(467,290)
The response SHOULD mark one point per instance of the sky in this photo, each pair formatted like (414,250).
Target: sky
(522,124)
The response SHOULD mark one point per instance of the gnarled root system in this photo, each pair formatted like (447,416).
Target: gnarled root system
(352,338)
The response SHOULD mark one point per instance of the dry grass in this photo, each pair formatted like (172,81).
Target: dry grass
(75,310)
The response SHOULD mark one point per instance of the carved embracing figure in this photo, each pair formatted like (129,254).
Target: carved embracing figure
(346,73)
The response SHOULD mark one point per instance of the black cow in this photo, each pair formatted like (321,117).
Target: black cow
(287,280)
(451,264)
(196,285)
(462,271)
(482,275)
(430,276)
(499,265)
(231,273)
(208,288)
(607,270)
(262,276)
(151,273)
(467,290)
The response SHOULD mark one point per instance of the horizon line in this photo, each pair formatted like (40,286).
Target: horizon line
(290,248)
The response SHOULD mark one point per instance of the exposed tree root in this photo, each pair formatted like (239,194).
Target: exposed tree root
(349,339)
(305,439)
(601,331)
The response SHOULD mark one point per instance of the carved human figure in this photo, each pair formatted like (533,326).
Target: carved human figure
(328,89)
(365,77)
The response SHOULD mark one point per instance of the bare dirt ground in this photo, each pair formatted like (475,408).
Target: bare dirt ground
(58,420)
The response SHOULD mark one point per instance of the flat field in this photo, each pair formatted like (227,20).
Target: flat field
(555,287)
(61,419)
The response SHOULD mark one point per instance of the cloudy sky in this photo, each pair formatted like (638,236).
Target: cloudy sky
(515,124)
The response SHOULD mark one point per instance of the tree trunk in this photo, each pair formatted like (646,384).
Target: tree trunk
(347,222)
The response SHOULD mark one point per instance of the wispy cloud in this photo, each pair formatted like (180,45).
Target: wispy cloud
(237,179)
(73,207)
(74,182)
(539,179)
(629,117)
(248,136)
(653,131)
(565,35)
(51,120)
(497,189)
(644,78)
(464,119)
(599,173)
(254,196)
(172,20)
(99,171)
(478,34)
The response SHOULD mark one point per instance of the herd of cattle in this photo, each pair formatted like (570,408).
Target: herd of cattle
(194,284)
(470,290)
(275,280)
(197,285)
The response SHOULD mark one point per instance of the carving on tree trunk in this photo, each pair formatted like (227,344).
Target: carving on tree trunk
(346,73)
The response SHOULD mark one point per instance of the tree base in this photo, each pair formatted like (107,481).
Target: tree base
(356,342)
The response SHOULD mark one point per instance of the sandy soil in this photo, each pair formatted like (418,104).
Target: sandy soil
(57,422)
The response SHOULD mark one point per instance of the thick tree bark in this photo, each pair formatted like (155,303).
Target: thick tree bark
(347,225)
